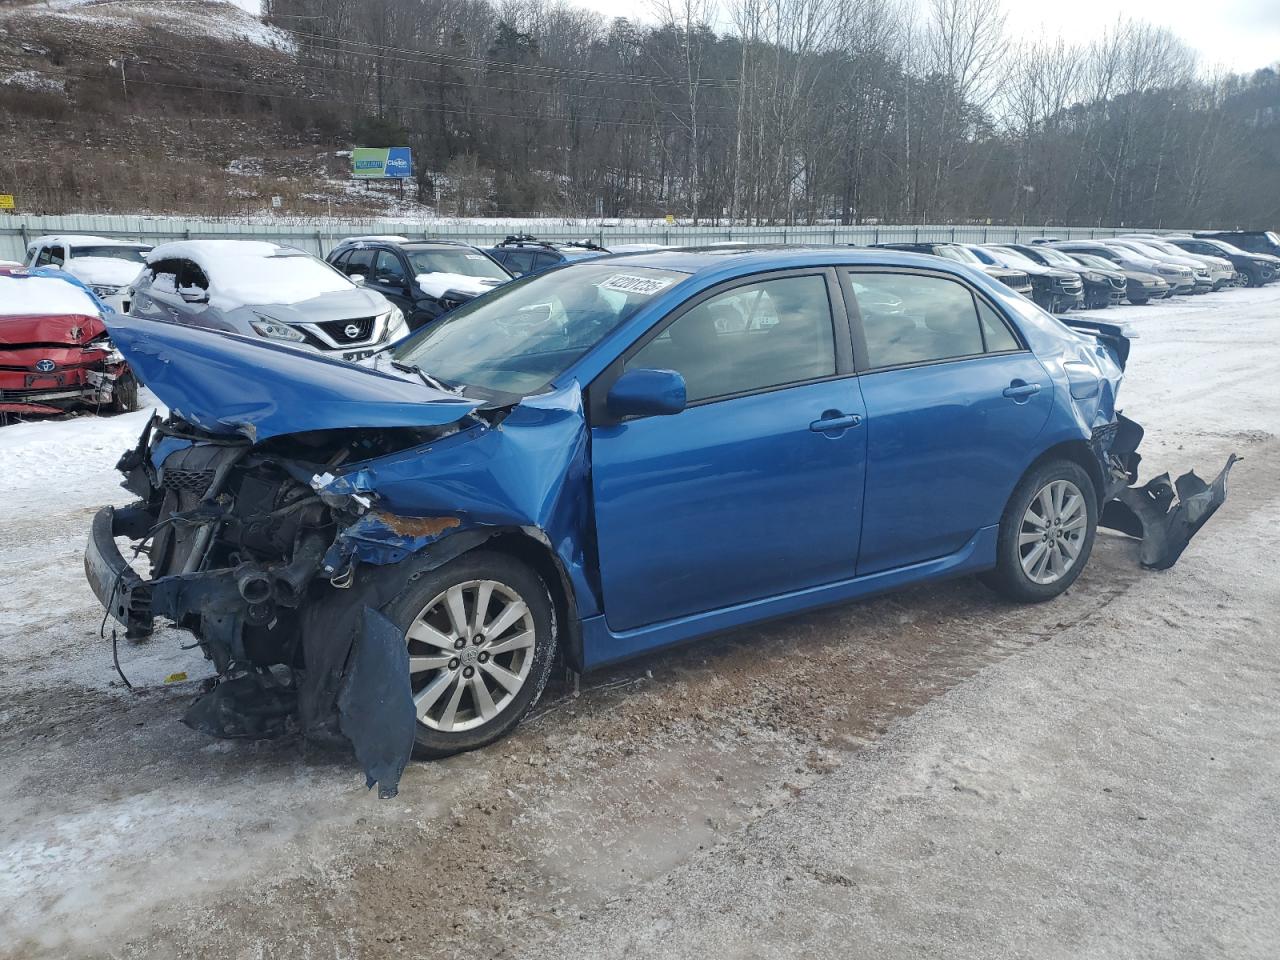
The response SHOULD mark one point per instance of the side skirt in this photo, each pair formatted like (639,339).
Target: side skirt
(602,646)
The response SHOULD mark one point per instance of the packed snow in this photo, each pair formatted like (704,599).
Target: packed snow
(253,271)
(437,284)
(43,296)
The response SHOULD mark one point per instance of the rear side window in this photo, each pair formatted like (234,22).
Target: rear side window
(520,262)
(910,319)
(749,338)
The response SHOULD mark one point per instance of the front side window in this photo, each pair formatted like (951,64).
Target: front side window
(523,335)
(907,319)
(388,268)
(749,338)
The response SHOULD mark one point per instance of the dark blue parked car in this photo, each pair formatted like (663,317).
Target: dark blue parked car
(605,459)
(523,254)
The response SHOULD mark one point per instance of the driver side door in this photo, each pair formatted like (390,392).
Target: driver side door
(754,490)
(391,279)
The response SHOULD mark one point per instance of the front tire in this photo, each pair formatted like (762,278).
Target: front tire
(481,638)
(1046,533)
(124,395)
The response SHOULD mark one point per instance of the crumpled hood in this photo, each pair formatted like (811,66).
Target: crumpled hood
(438,284)
(70,330)
(105,271)
(228,384)
(334,305)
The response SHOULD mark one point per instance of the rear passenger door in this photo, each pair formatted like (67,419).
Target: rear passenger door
(954,402)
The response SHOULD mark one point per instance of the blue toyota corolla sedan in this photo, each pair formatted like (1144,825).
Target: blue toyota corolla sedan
(602,460)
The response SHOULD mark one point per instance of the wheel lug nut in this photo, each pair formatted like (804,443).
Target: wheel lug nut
(453,664)
(479,639)
(469,672)
(459,643)
(483,658)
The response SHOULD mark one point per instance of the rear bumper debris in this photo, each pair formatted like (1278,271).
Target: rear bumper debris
(1165,515)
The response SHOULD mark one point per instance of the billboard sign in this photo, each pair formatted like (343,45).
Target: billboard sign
(381,163)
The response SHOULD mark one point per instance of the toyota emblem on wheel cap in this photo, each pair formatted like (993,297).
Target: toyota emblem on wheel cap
(351,330)
(45,366)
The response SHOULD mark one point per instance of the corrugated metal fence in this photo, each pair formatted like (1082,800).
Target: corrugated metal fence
(320,236)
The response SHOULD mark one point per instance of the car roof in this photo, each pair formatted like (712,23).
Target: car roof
(74,238)
(697,260)
(195,249)
(404,242)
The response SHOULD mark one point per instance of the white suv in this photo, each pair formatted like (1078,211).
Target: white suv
(105,266)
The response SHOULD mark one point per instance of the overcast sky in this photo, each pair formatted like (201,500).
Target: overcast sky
(1241,35)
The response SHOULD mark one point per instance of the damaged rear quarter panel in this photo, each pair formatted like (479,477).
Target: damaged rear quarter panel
(1086,373)
(529,473)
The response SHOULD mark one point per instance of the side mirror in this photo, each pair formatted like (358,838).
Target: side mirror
(193,294)
(646,393)
(357,278)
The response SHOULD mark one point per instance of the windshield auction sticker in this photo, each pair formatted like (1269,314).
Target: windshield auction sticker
(629,283)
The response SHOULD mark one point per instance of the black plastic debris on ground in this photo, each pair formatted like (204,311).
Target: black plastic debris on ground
(375,706)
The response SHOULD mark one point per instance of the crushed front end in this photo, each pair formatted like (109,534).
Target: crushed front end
(236,536)
(50,365)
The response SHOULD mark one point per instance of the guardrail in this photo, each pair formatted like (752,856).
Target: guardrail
(319,237)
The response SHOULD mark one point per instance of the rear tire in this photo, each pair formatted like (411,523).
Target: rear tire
(1046,534)
(1141,301)
(481,636)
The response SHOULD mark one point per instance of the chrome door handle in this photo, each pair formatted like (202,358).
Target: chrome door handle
(834,420)
(1020,390)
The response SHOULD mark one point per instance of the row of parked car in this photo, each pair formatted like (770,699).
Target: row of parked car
(1062,275)
(372,291)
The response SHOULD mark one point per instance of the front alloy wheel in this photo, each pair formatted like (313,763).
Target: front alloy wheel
(470,650)
(480,632)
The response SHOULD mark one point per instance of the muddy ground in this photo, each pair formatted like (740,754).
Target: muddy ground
(931,773)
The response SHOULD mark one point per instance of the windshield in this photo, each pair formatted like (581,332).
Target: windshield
(459,261)
(1224,247)
(1012,258)
(962,254)
(1056,257)
(113,252)
(1149,252)
(1089,260)
(525,334)
(1168,248)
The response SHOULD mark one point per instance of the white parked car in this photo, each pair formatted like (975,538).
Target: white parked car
(259,289)
(105,266)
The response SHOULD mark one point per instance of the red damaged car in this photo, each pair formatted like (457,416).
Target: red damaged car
(55,355)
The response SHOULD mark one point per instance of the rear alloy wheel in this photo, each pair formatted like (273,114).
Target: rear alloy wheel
(1046,534)
(480,649)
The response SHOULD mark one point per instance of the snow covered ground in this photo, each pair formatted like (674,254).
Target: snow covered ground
(932,773)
